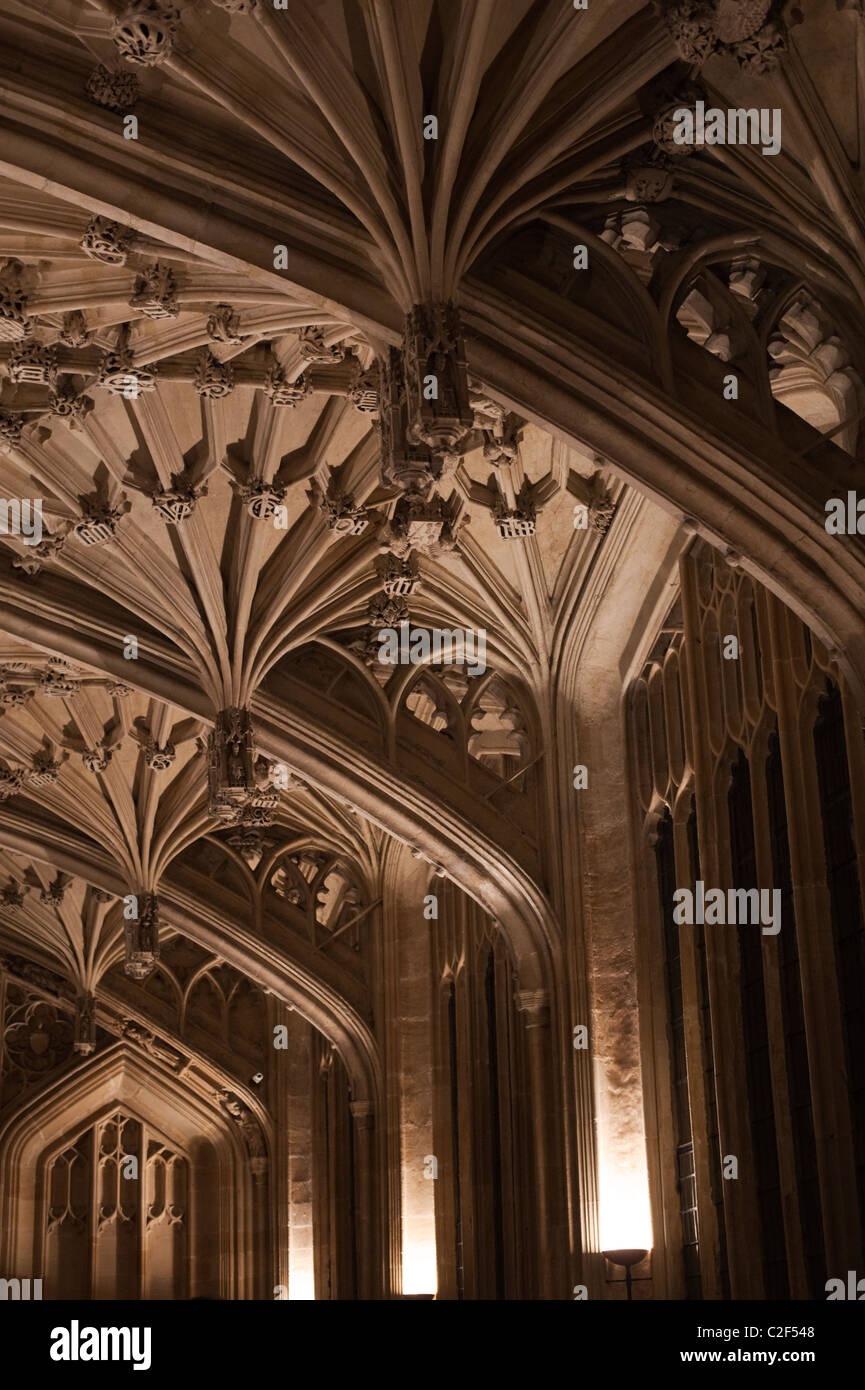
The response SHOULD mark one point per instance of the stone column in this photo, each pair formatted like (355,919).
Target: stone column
(365,1215)
(534,1004)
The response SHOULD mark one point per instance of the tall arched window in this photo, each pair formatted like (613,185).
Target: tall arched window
(845,899)
(758,1072)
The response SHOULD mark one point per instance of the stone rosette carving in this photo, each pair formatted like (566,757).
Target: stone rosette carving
(39,1036)
(116,91)
(144,33)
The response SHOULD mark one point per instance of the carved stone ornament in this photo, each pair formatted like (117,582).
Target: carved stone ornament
(99,523)
(58,684)
(313,348)
(667,122)
(404,464)
(754,32)
(223,325)
(231,769)
(72,409)
(74,332)
(96,759)
(602,509)
(261,499)
(45,769)
(121,377)
(213,379)
(54,893)
(12,895)
(176,504)
(155,292)
(246,1122)
(10,430)
(386,610)
(33,365)
(142,938)
(14,322)
(144,33)
(11,781)
(437,393)
(107,241)
(151,1044)
(364,391)
(84,1040)
(159,759)
(12,694)
(648,176)
(399,578)
(34,559)
(249,843)
(419,522)
(281,392)
(341,514)
(117,91)
(517,523)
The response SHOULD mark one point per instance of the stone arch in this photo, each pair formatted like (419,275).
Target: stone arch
(120,1078)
